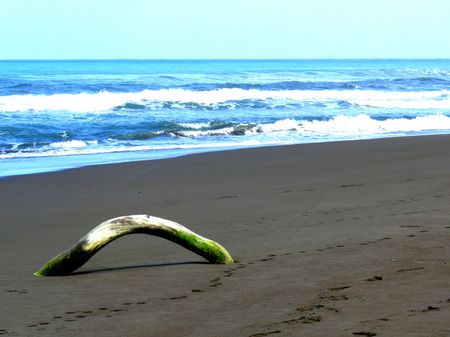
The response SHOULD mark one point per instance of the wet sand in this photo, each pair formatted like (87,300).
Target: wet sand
(335,239)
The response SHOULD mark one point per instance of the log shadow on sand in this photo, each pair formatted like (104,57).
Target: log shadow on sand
(141,266)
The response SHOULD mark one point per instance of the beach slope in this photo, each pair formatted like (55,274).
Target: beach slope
(332,239)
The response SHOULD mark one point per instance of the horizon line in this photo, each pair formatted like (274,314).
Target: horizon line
(237,59)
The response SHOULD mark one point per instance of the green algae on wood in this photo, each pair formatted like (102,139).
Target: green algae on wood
(74,257)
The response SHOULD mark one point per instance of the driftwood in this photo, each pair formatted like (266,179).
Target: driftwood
(74,257)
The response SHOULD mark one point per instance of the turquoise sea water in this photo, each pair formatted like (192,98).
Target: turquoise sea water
(62,114)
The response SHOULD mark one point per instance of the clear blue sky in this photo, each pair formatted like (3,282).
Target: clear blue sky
(149,29)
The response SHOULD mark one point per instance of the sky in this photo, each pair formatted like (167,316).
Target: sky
(224,29)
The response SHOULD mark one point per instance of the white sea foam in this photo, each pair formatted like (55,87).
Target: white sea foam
(286,131)
(69,144)
(105,101)
(362,125)
(117,149)
(195,125)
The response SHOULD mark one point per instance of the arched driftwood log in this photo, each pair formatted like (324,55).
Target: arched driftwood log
(74,257)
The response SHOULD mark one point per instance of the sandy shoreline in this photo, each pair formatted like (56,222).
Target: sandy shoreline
(333,239)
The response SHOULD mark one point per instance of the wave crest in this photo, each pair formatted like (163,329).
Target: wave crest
(341,125)
(226,134)
(221,98)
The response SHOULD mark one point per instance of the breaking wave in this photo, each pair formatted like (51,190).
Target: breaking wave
(221,99)
(339,125)
(227,134)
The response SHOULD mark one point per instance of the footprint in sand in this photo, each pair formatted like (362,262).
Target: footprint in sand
(409,269)
(375,278)
(310,319)
(312,307)
(430,308)
(228,272)
(364,333)
(339,288)
(332,294)
(215,282)
(20,292)
(351,185)
(338,297)
(262,334)
(177,297)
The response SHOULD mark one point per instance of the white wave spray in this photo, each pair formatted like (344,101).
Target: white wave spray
(105,101)
(285,131)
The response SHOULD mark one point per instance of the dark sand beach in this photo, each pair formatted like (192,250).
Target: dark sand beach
(333,239)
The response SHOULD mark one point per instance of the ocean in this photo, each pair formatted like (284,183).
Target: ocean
(64,114)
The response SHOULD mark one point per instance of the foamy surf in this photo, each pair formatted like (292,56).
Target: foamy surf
(360,125)
(190,99)
(206,135)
